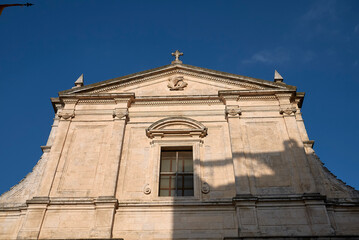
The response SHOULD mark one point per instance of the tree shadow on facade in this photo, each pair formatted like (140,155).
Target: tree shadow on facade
(277,194)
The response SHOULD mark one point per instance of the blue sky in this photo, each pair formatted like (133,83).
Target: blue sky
(313,44)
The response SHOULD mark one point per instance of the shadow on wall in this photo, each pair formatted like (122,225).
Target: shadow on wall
(280,175)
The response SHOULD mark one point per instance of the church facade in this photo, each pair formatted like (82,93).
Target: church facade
(179,152)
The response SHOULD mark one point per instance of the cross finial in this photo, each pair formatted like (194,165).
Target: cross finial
(177,54)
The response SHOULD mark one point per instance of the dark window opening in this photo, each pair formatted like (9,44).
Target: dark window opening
(176,171)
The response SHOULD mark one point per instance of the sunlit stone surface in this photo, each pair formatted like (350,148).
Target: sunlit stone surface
(254,172)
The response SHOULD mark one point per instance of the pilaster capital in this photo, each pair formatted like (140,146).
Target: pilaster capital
(67,114)
(233,111)
(288,111)
(120,114)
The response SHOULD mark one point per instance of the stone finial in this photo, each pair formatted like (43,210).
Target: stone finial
(80,81)
(177,54)
(277,77)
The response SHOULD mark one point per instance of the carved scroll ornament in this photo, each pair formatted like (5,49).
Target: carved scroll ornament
(147,189)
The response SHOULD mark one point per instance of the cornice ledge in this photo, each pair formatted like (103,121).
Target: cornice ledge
(106,199)
(313,196)
(38,200)
(45,148)
(123,79)
(160,70)
(176,97)
(309,143)
(250,80)
(71,201)
(97,96)
(254,92)
(244,197)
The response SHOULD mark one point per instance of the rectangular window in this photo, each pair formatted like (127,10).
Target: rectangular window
(176,171)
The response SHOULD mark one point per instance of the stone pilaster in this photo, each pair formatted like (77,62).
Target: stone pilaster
(36,209)
(104,217)
(120,117)
(233,113)
(64,116)
(295,144)
(317,214)
(247,215)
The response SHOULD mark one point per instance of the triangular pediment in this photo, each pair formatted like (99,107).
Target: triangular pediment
(177,79)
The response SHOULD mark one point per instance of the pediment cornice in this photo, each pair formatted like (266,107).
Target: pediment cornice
(167,70)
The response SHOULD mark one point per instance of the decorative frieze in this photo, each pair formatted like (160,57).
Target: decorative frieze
(256,98)
(96,101)
(179,102)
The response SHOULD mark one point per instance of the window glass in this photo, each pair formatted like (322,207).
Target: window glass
(176,172)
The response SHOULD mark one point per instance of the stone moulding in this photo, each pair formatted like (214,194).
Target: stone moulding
(176,126)
(184,69)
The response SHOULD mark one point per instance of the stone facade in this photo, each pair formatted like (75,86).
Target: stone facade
(255,173)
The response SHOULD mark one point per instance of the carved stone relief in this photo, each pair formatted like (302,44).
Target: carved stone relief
(66,114)
(288,111)
(120,113)
(176,83)
(233,111)
(205,188)
(147,189)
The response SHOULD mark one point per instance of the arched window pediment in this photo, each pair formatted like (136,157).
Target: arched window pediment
(176,126)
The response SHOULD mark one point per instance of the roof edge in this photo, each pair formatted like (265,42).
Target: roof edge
(127,78)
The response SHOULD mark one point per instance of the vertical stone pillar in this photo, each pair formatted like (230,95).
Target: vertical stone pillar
(247,216)
(120,117)
(318,216)
(106,203)
(233,113)
(65,115)
(295,144)
(31,226)
(36,207)
(105,212)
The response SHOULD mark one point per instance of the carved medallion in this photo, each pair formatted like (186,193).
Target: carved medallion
(176,83)
(147,189)
(205,188)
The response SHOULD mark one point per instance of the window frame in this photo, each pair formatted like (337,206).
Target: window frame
(178,172)
(157,145)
